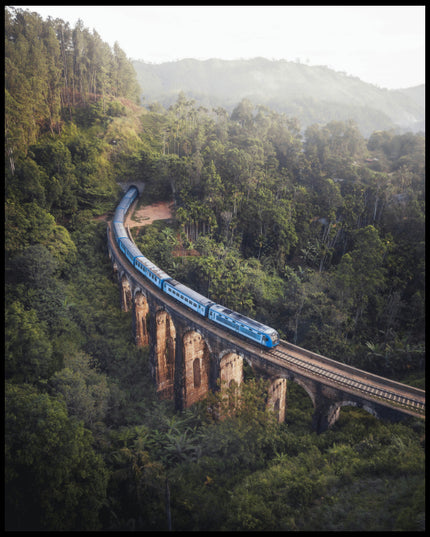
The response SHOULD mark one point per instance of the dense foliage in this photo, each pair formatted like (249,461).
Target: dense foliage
(321,237)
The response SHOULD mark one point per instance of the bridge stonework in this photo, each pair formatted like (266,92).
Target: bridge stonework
(189,356)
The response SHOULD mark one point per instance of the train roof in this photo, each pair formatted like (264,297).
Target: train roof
(242,318)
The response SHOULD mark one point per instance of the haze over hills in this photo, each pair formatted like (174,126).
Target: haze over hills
(313,94)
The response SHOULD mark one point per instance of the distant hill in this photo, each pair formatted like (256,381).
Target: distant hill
(313,94)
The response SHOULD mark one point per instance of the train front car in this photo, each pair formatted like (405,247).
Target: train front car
(187,296)
(244,326)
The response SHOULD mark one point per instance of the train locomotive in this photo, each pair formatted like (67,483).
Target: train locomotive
(220,315)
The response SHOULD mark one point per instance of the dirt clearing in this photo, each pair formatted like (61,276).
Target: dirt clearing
(144,216)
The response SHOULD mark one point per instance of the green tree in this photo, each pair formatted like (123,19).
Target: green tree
(85,391)
(28,351)
(243,113)
(53,478)
(123,76)
(363,270)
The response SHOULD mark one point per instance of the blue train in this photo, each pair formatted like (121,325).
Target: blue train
(244,326)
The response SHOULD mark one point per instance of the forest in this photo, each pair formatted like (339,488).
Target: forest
(319,234)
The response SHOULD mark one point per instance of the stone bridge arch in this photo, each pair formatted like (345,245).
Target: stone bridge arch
(334,410)
(164,351)
(197,367)
(308,387)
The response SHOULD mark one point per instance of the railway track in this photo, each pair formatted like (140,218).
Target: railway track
(353,382)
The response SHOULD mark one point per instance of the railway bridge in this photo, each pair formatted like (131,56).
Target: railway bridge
(190,356)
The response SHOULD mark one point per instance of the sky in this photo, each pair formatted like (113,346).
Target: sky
(382,45)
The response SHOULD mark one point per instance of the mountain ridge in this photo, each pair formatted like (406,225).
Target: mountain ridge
(313,94)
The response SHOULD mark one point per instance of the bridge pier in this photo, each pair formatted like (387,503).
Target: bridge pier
(126,295)
(196,364)
(163,351)
(140,319)
(277,397)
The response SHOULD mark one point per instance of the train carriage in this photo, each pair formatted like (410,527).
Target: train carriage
(119,231)
(244,326)
(124,205)
(151,271)
(131,251)
(119,215)
(187,296)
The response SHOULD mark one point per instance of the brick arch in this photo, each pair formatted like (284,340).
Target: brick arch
(334,410)
(308,389)
(165,350)
(196,358)
(141,318)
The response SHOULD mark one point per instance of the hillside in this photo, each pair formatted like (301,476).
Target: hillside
(323,239)
(313,94)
